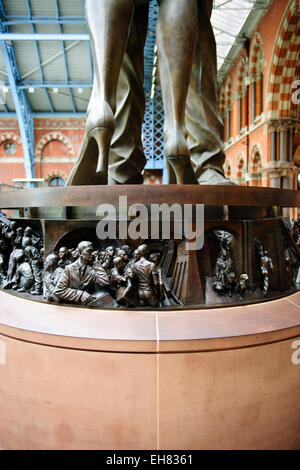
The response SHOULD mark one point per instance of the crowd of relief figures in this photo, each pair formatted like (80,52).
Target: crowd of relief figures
(145,274)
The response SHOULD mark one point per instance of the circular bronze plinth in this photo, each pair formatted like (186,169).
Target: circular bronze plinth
(68,215)
(148,194)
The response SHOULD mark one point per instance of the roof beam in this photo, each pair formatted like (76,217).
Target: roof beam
(55,84)
(64,57)
(22,106)
(6,36)
(12,20)
(38,56)
(46,114)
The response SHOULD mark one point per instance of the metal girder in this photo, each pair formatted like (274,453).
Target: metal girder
(13,20)
(55,84)
(38,55)
(153,141)
(47,115)
(22,106)
(7,36)
(150,47)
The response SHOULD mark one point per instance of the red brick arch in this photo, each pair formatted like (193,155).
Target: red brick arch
(53,136)
(240,166)
(11,137)
(150,178)
(222,101)
(54,173)
(291,72)
(227,169)
(225,99)
(241,77)
(228,92)
(285,63)
(256,57)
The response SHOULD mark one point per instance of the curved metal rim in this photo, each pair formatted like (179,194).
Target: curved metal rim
(82,196)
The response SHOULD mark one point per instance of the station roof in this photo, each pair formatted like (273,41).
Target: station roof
(45,53)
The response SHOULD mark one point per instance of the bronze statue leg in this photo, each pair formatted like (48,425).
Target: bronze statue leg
(205,128)
(126,158)
(109,24)
(176,38)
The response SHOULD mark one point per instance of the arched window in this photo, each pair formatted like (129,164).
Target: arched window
(256,73)
(256,164)
(227,170)
(255,169)
(10,145)
(56,181)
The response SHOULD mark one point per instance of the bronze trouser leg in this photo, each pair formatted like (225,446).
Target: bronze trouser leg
(109,22)
(176,38)
(126,158)
(205,129)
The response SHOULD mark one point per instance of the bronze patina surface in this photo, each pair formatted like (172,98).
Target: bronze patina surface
(243,196)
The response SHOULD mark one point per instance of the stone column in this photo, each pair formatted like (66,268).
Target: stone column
(274,181)
(290,144)
(273,142)
(283,144)
(286,182)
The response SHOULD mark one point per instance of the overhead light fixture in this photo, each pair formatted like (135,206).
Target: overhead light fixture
(5,90)
(80,90)
(31,90)
(55,90)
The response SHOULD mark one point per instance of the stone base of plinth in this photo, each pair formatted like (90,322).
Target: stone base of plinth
(222,378)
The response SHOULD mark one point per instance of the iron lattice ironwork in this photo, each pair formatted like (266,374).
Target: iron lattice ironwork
(153,139)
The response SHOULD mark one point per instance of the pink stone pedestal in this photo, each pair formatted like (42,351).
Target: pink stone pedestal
(75,378)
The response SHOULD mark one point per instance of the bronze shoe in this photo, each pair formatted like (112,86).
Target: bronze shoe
(214,177)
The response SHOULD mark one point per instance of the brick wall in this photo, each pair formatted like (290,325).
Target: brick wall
(261,79)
